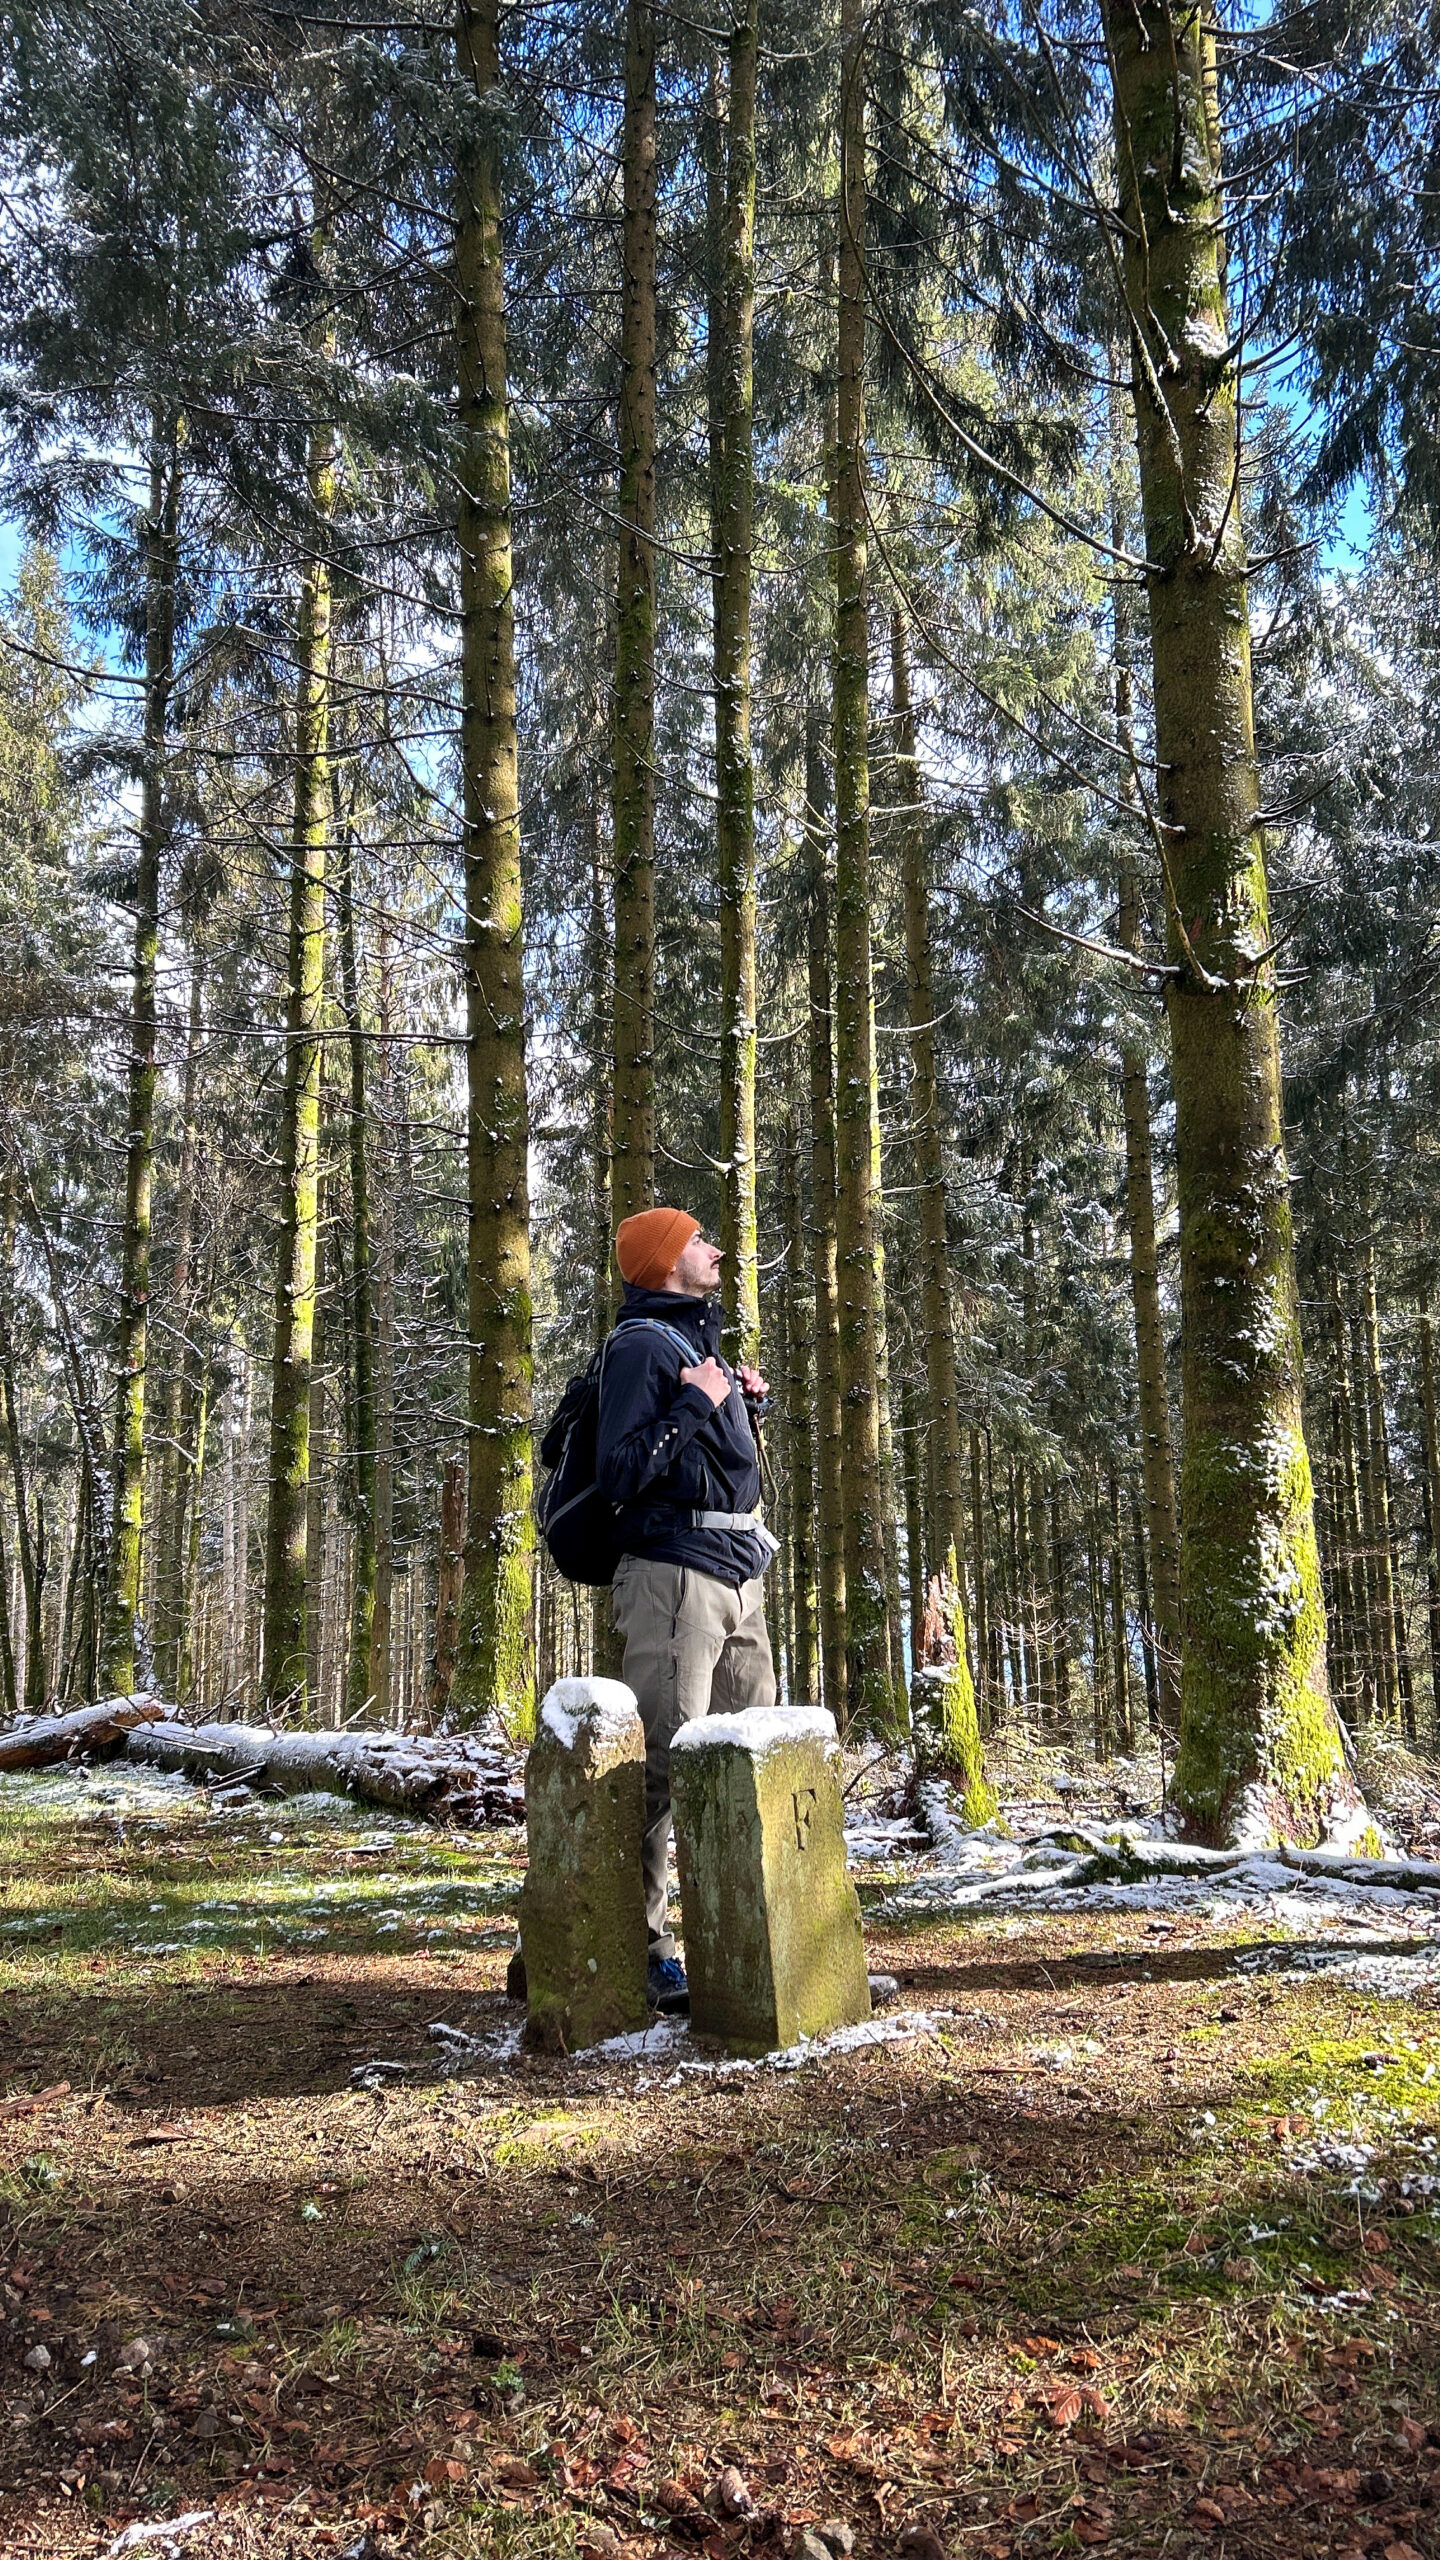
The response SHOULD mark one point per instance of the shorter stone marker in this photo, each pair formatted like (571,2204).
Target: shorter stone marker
(773,1946)
(582,1905)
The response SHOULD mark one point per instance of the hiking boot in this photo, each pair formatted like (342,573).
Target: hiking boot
(668,1990)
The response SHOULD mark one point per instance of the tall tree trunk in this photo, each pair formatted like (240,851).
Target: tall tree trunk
(633,1159)
(29,1533)
(800,1401)
(983,1686)
(196,1435)
(1124,1721)
(829,1448)
(1260,1747)
(1157,1457)
(945,1508)
(1403,1699)
(494,1671)
(870,1674)
(1384,1669)
(732,478)
(449,1581)
(1060,1590)
(377,1675)
(319,1457)
(283,1634)
(913,1470)
(1430,1485)
(362,1311)
(160,545)
(177,1462)
(1145,1609)
(8,1692)
(606,1648)
(1361,1646)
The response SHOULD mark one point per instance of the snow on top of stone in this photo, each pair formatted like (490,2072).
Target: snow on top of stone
(758,1729)
(606,1708)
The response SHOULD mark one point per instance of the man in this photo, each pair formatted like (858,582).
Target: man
(676,1452)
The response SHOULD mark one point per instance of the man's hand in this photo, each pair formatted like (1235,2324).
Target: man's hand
(710,1378)
(753,1384)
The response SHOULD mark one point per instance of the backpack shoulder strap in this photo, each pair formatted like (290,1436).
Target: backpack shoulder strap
(656,1324)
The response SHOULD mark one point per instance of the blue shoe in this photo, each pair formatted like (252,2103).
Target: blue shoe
(668,1989)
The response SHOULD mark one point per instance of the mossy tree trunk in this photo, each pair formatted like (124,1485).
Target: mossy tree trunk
(829,1452)
(160,540)
(493,1670)
(732,475)
(1260,1747)
(284,1649)
(632,1182)
(871,1686)
(945,1506)
(177,1453)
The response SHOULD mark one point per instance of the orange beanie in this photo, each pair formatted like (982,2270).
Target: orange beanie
(648,1246)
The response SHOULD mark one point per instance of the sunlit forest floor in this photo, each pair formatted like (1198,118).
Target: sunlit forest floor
(1127,2238)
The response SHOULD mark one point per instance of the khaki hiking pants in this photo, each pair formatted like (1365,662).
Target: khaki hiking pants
(692,1643)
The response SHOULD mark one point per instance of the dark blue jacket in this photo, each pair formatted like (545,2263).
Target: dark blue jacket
(663,1451)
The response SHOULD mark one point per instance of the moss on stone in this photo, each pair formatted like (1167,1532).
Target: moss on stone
(773,1943)
(582,1905)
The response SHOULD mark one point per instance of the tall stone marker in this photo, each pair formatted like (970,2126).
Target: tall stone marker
(773,1946)
(582,1905)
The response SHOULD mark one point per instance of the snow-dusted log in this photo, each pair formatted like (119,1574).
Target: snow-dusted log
(452,1777)
(46,1739)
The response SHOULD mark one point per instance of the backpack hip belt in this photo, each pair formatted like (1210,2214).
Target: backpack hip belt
(738,1520)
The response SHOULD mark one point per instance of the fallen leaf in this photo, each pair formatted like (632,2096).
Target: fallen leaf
(1205,2512)
(1085,2359)
(1041,2346)
(1061,2406)
(1401,2551)
(1092,2524)
(514,2473)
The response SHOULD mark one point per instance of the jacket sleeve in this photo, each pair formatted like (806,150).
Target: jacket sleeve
(646,1420)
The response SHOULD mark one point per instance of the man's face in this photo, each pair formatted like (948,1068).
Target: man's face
(697,1272)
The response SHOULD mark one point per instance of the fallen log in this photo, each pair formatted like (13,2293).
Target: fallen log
(46,1739)
(472,1779)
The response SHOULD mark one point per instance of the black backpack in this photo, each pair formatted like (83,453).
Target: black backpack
(576,1522)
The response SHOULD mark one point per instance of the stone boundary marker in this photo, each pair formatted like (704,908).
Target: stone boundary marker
(582,1904)
(773,1945)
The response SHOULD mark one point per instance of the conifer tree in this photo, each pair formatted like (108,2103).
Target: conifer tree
(1260,1749)
(493,1671)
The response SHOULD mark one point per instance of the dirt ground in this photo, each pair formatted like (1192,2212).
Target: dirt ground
(1127,2240)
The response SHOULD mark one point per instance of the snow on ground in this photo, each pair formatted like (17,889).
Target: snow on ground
(666,2045)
